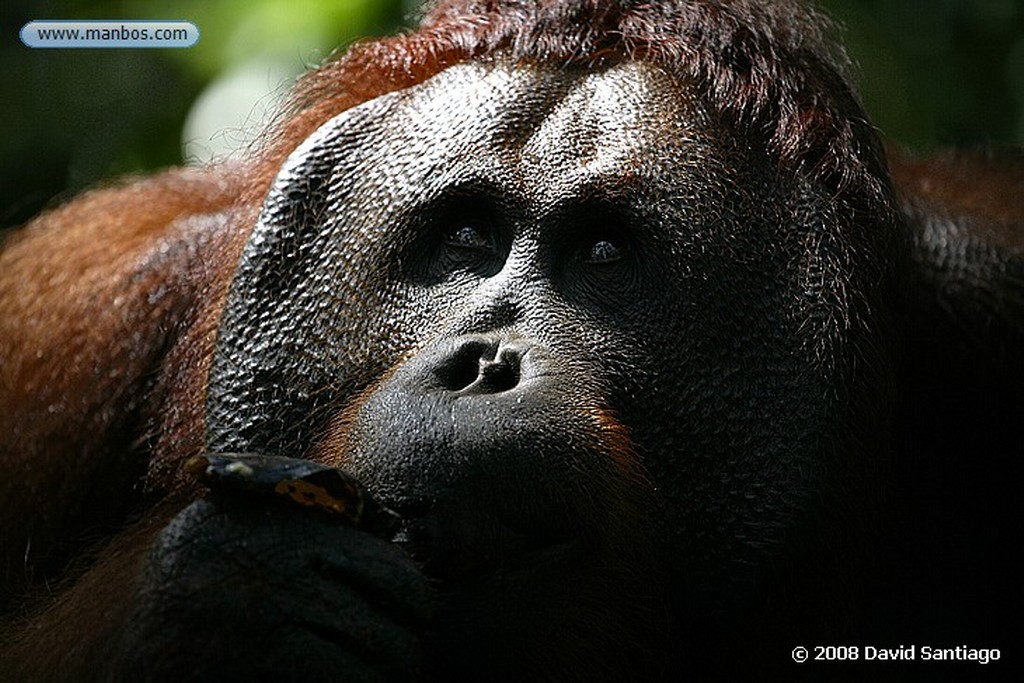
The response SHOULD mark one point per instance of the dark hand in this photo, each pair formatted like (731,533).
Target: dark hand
(268,587)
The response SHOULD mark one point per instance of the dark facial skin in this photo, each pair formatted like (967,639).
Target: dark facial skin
(589,344)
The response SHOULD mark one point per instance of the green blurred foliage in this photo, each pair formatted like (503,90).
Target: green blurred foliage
(931,73)
(75,117)
(937,73)
(303,31)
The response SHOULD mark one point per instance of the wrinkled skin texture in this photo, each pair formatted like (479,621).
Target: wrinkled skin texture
(541,166)
(647,400)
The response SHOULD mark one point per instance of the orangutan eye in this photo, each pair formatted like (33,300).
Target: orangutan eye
(602,251)
(467,236)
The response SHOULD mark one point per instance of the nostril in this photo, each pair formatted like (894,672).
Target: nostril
(463,366)
(480,366)
(500,374)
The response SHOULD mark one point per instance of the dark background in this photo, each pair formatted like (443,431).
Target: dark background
(932,73)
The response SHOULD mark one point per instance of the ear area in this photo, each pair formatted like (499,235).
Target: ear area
(960,413)
(963,284)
